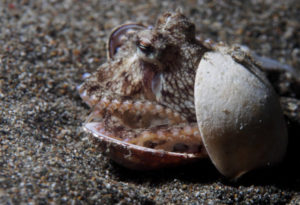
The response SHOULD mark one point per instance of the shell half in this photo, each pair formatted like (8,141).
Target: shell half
(238,114)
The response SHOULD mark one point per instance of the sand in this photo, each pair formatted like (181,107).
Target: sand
(45,156)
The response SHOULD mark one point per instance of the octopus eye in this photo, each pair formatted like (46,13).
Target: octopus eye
(145,46)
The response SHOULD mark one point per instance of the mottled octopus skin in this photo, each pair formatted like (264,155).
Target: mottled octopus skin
(176,56)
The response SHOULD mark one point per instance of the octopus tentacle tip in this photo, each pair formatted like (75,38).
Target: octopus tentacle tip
(86,76)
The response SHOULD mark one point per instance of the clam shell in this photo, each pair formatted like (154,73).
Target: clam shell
(238,114)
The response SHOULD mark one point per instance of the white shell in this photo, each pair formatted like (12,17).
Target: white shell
(238,114)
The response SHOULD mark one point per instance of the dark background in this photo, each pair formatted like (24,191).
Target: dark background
(46,47)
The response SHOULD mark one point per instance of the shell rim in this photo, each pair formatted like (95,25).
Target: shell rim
(127,145)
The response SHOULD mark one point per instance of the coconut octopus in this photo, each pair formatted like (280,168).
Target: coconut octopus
(166,98)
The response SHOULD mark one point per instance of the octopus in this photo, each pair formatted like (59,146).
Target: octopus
(143,98)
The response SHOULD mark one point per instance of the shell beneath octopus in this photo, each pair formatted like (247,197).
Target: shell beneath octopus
(238,113)
(138,157)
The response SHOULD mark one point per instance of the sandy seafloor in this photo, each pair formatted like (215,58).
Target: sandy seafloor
(47,46)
